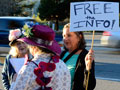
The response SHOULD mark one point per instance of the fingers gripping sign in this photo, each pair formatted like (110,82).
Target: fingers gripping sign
(89,59)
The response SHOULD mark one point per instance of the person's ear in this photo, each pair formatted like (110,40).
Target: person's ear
(80,36)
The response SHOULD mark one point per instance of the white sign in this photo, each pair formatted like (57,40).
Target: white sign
(17,63)
(94,15)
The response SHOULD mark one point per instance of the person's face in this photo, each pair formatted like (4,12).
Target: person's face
(22,47)
(70,39)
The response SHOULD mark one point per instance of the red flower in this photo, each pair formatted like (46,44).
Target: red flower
(43,66)
(51,67)
(55,59)
(38,72)
(39,81)
(43,81)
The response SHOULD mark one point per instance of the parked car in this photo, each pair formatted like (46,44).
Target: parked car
(8,23)
(111,39)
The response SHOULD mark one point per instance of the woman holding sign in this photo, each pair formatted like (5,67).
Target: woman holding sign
(15,60)
(78,60)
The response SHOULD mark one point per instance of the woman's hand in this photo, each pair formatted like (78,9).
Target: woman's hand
(89,59)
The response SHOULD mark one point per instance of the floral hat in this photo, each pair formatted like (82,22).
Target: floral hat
(42,36)
(14,35)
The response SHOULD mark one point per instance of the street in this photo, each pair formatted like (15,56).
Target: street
(107,65)
(107,68)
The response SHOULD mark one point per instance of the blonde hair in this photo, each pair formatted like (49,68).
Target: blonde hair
(41,50)
(66,26)
(14,51)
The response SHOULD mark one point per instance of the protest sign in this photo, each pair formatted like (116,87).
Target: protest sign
(94,15)
(17,63)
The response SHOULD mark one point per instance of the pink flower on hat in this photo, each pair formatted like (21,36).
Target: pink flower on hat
(14,34)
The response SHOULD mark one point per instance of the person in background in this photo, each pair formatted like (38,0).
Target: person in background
(78,60)
(45,71)
(17,52)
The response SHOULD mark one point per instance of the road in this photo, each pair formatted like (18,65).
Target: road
(107,65)
(107,68)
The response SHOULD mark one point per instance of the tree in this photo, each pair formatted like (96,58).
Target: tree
(55,10)
(9,8)
(27,7)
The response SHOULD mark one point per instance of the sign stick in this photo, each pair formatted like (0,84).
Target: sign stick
(91,48)
(92,39)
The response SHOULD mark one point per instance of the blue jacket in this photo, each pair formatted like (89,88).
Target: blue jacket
(7,73)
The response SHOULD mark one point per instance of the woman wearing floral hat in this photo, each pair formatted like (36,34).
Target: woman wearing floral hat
(17,52)
(45,71)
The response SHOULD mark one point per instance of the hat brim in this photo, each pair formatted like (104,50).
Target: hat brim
(55,47)
(12,42)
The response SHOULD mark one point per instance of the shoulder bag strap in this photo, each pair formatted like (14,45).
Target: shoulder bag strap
(34,63)
(81,57)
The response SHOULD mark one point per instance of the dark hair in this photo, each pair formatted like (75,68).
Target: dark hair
(82,43)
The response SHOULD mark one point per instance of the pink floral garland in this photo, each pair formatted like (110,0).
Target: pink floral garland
(42,67)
